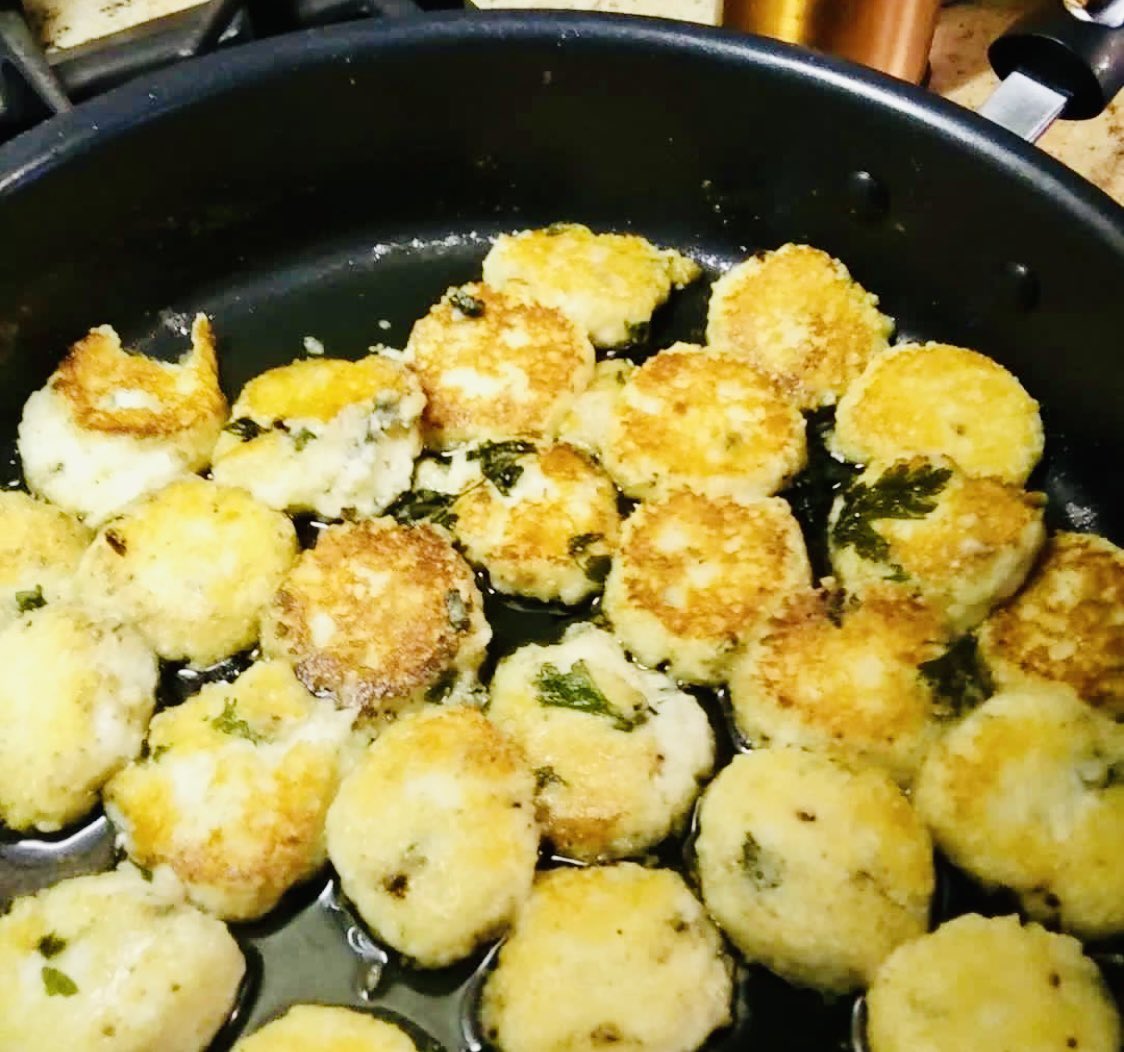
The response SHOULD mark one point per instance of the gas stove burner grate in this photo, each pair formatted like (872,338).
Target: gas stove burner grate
(35,84)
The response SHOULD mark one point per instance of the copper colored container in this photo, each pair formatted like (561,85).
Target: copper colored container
(891,35)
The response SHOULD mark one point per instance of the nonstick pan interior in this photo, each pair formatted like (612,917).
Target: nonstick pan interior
(312,947)
(381,188)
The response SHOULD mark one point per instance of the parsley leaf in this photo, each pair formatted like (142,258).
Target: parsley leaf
(244,428)
(545,776)
(595,567)
(418,504)
(498,462)
(581,542)
(58,984)
(470,306)
(959,678)
(302,438)
(228,722)
(31,600)
(902,492)
(577,690)
(51,945)
(763,868)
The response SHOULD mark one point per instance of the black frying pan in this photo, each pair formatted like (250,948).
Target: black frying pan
(326,181)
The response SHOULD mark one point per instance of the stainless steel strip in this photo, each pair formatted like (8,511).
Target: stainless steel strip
(1024,106)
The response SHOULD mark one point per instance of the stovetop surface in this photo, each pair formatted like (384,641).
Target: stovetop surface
(36,81)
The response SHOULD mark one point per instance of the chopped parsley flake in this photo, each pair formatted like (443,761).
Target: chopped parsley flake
(228,722)
(418,504)
(31,600)
(545,776)
(579,544)
(498,462)
(595,567)
(470,306)
(577,690)
(959,678)
(58,984)
(902,492)
(51,945)
(763,869)
(245,429)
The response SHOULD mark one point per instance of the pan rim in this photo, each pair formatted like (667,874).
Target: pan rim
(96,123)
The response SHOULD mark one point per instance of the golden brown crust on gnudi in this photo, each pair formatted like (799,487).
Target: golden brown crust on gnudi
(797,314)
(731,597)
(935,399)
(496,364)
(704,420)
(970,550)
(609,284)
(843,678)
(547,540)
(696,577)
(167,400)
(376,613)
(1067,625)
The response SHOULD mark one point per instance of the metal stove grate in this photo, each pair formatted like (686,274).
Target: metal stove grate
(35,84)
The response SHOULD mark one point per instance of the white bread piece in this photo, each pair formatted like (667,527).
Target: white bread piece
(709,12)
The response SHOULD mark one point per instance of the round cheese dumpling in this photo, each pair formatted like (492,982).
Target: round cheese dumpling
(326,1028)
(1067,625)
(40,547)
(702,420)
(608,956)
(936,400)
(814,869)
(234,790)
(111,426)
(114,963)
(964,544)
(382,617)
(1028,793)
(192,567)
(495,365)
(543,521)
(618,751)
(325,436)
(588,421)
(990,982)
(76,696)
(697,577)
(434,835)
(608,283)
(844,676)
(798,315)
